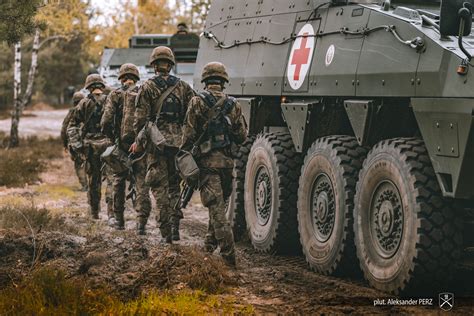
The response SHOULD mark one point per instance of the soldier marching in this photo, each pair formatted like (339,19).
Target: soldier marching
(119,127)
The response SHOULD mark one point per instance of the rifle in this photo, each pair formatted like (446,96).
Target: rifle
(184,197)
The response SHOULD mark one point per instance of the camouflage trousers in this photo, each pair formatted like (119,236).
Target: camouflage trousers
(164,184)
(109,189)
(79,166)
(215,188)
(94,182)
(142,203)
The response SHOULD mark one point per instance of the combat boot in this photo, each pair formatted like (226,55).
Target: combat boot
(175,230)
(230,260)
(95,213)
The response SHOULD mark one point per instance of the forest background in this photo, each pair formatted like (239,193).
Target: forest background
(73,34)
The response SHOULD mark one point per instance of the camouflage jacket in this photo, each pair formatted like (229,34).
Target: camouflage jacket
(196,123)
(173,111)
(88,114)
(118,118)
(66,121)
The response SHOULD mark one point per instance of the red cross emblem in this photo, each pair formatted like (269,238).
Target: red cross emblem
(301,56)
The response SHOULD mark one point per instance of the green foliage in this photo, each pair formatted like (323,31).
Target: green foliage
(22,216)
(17,19)
(49,292)
(23,165)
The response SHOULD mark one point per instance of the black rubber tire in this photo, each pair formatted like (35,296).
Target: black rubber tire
(275,155)
(332,164)
(236,211)
(430,239)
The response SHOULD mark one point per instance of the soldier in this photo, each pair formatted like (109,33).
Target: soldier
(218,118)
(174,96)
(117,124)
(87,118)
(76,158)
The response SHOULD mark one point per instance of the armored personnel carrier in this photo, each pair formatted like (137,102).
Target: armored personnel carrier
(362,146)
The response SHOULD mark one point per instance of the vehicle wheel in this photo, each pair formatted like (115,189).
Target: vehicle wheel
(236,210)
(271,186)
(326,203)
(407,236)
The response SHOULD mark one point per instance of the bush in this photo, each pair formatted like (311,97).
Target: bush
(21,216)
(23,165)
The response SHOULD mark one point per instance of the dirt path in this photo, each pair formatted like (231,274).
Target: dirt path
(37,123)
(129,264)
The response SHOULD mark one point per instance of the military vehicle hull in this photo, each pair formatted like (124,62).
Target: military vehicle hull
(364,137)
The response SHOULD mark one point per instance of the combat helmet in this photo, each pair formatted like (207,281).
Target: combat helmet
(162,52)
(129,69)
(94,79)
(77,97)
(214,70)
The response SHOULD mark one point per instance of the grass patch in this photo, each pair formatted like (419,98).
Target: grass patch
(21,216)
(49,292)
(23,165)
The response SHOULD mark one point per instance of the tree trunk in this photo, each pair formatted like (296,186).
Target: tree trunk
(14,139)
(32,73)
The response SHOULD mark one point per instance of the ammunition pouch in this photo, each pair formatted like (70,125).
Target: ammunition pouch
(116,159)
(151,138)
(187,167)
(97,145)
(74,139)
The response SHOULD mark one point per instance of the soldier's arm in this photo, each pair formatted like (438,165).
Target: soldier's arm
(142,109)
(239,126)
(189,93)
(64,127)
(108,118)
(78,114)
(190,128)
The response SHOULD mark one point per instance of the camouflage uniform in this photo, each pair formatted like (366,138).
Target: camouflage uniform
(76,158)
(87,116)
(117,124)
(216,163)
(161,171)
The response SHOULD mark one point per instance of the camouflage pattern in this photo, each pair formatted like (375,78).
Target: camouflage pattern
(87,117)
(216,170)
(109,189)
(162,53)
(161,176)
(76,158)
(129,69)
(117,124)
(214,70)
(92,79)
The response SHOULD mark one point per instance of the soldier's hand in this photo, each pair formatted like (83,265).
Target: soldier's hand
(134,148)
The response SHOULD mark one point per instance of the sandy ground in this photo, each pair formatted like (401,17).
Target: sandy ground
(129,264)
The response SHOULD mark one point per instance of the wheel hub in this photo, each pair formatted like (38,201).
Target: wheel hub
(323,208)
(386,219)
(263,196)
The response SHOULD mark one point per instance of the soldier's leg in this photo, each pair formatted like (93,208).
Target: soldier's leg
(109,189)
(118,195)
(157,178)
(212,197)
(210,242)
(80,172)
(143,202)
(94,178)
(174,192)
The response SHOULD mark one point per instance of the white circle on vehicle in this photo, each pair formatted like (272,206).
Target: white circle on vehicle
(330,55)
(300,57)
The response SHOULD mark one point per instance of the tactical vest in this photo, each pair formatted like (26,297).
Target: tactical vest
(172,109)
(218,130)
(92,125)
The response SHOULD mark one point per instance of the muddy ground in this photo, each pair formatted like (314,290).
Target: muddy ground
(129,264)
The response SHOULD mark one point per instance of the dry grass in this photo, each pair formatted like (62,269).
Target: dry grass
(23,165)
(49,292)
(191,268)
